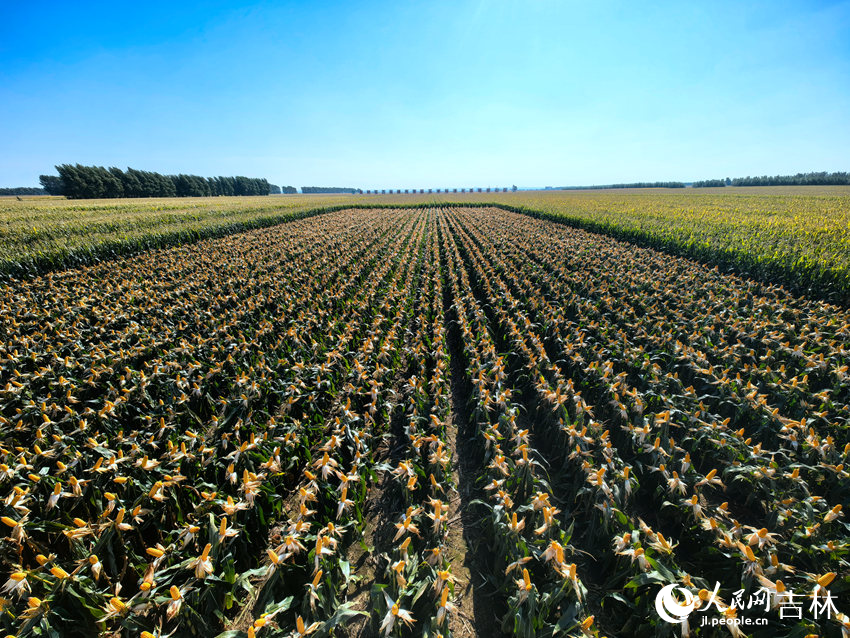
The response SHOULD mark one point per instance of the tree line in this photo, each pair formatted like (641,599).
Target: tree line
(76,181)
(712,183)
(800,179)
(22,190)
(632,185)
(327,189)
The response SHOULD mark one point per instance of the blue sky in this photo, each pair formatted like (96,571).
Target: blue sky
(426,94)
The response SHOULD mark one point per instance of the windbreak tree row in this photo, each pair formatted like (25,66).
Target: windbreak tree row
(76,181)
(800,179)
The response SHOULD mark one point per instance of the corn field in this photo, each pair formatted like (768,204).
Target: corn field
(435,421)
(798,237)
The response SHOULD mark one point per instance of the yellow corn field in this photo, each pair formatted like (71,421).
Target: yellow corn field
(428,421)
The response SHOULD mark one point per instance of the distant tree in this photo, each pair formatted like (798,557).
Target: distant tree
(192,186)
(112,184)
(142,182)
(79,181)
(119,182)
(132,183)
(225,186)
(181,185)
(52,184)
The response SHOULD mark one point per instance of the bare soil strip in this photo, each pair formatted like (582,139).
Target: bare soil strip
(478,603)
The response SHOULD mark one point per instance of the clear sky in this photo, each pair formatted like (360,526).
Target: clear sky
(426,94)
